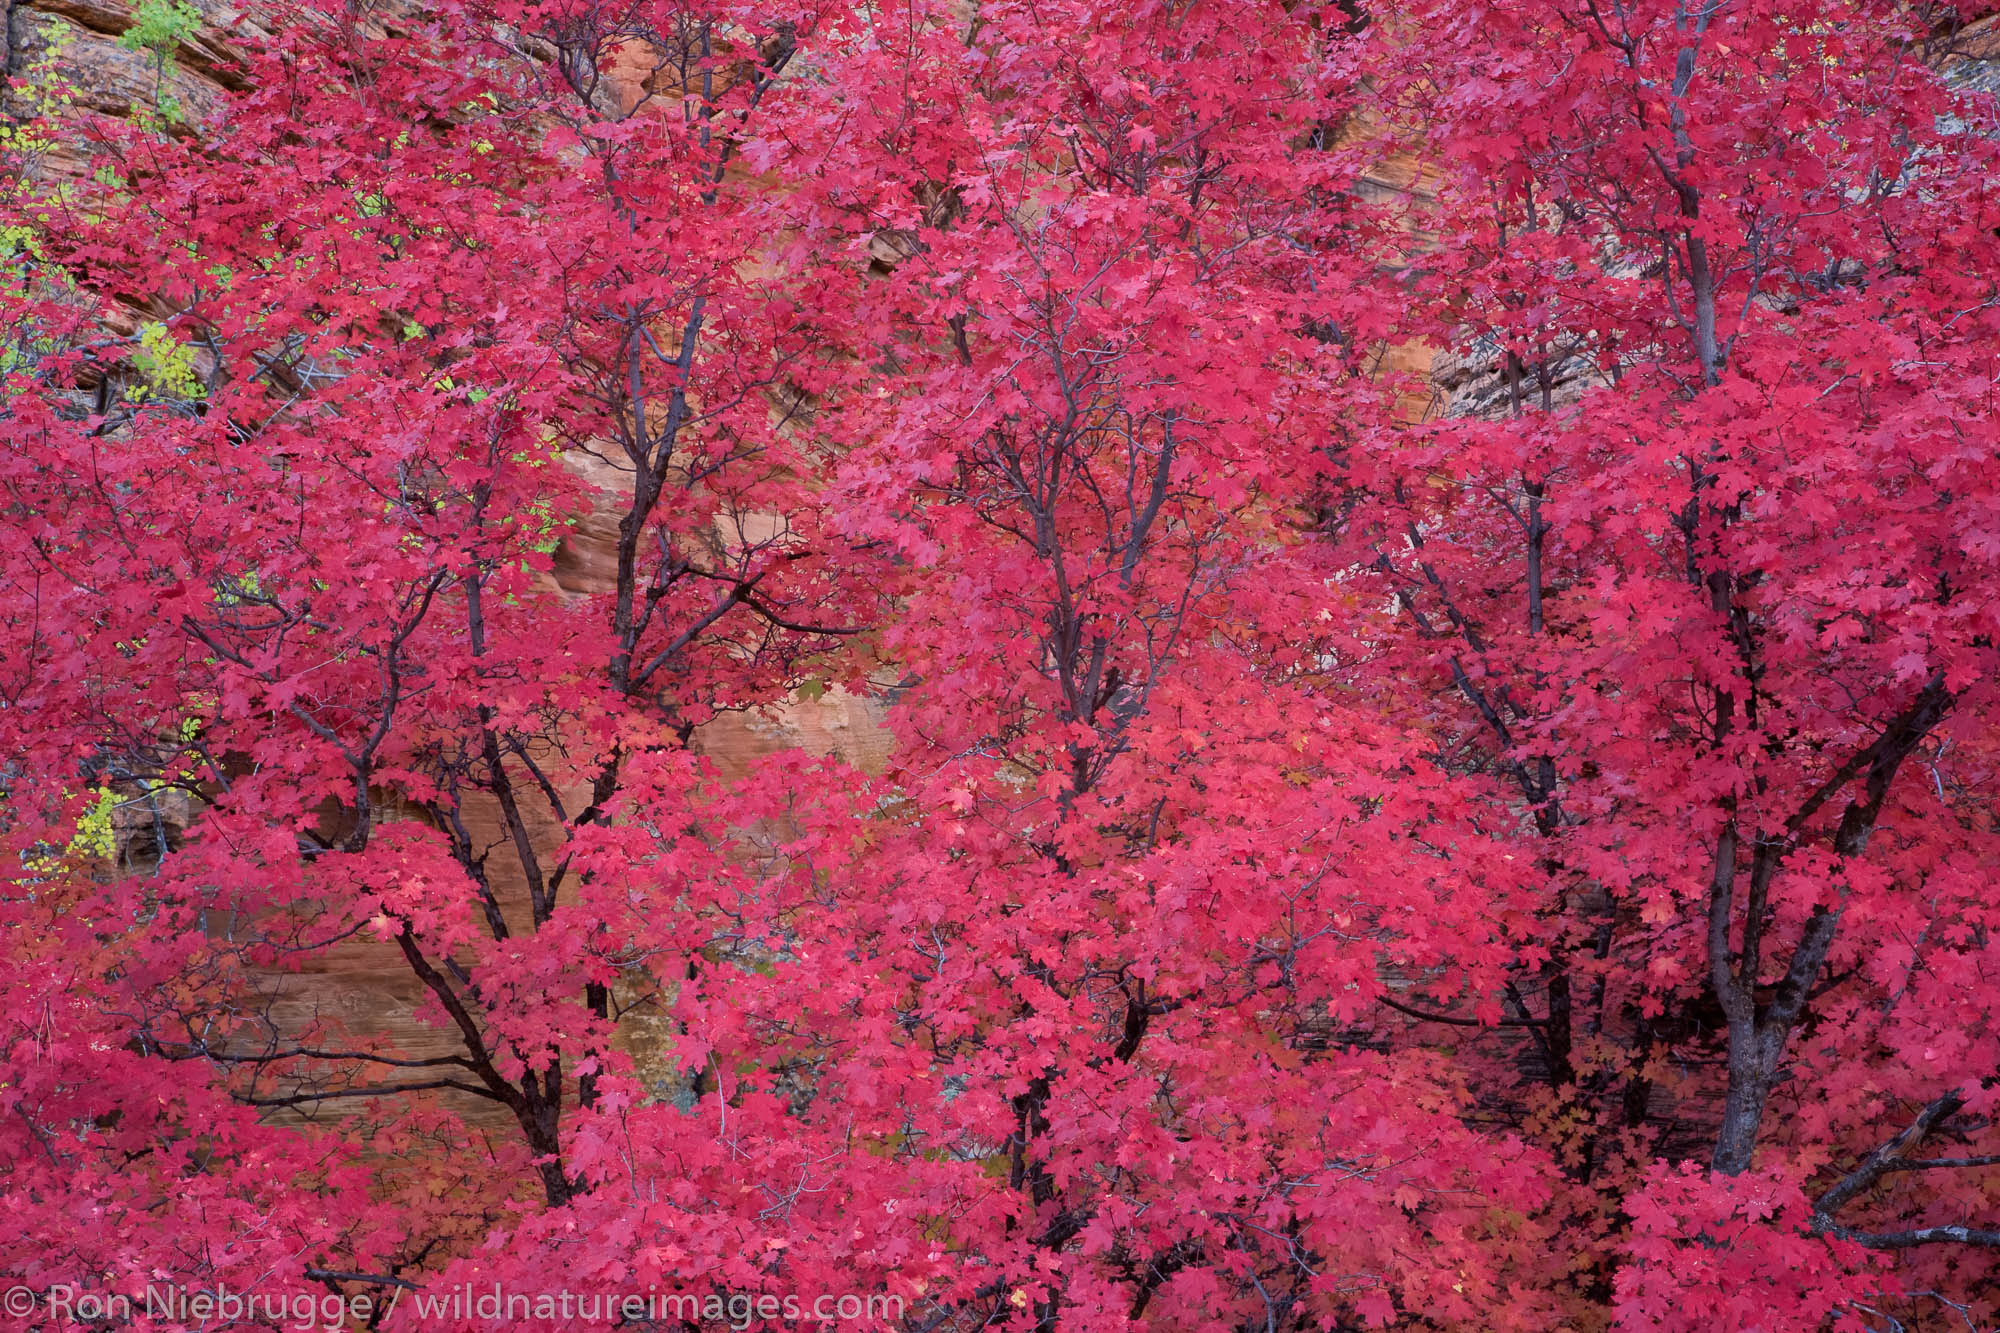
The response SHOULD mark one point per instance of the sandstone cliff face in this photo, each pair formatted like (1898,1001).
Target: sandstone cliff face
(76,44)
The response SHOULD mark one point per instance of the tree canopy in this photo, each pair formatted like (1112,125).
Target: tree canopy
(1430,575)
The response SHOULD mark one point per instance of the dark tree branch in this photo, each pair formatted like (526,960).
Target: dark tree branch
(1428,1017)
(1890,1158)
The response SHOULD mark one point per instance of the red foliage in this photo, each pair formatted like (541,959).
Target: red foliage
(1521,869)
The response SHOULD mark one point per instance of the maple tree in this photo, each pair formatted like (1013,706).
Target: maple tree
(1519,869)
(1715,584)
